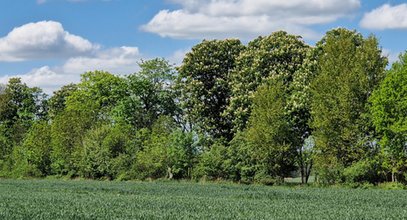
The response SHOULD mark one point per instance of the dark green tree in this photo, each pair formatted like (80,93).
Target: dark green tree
(204,84)
(20,107)
(57,103)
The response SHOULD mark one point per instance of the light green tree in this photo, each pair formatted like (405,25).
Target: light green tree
(350,67)
(269,132)
(388,110)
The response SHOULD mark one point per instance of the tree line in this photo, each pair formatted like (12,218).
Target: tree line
(260,112)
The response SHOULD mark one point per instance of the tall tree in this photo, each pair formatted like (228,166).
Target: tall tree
(389,108)
(279,54)
(204,81)
(20,106)
(90,104)
(349,69)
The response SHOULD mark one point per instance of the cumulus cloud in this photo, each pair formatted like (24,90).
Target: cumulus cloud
(386,17)
(120,60)
(42,40)
(246,18)
(45,77)
(48,39)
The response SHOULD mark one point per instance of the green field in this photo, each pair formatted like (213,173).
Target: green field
(58,199)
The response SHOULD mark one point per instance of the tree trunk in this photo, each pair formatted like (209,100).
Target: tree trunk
(169,171)
(308,172)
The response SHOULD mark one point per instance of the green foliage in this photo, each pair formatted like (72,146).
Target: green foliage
(103,148)
(20,106)
(258,113)
(211,163)
(269,132)
(149,95)
(57,103)
(67,131)
(279,54)
(182,153)
(392,186)
(240,164)
(97,94)
(33,157)
(363,171)
(166,152)
(349,69)
(204,84)
(88,104)
(388,113)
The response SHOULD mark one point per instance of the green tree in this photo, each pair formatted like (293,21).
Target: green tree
(67,131)
(149,95)
(20,107)
(349,69)
(57,103)
(152,159)
(388,111)
(265,57)
(269,132)
(204,84)
(97,94)
(182,154)
(103,150)
(91,103)
(32,158)
(212,163)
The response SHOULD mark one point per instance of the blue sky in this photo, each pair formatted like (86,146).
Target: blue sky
(49,43)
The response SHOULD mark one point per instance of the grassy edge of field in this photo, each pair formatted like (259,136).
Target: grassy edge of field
(289,182)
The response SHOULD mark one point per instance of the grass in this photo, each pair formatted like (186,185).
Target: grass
(59,199)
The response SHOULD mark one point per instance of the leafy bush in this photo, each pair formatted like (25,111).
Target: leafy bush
(362,171)
(391,186)
(211,163)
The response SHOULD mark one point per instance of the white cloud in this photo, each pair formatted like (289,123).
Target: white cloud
(48,39)
(386,17)
(123,60)
(246,18)
(45,77)
(42,40)
(120,60)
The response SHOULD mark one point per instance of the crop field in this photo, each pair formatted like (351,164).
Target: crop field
(58,199)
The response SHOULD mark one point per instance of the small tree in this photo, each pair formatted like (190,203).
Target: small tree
(269,132)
